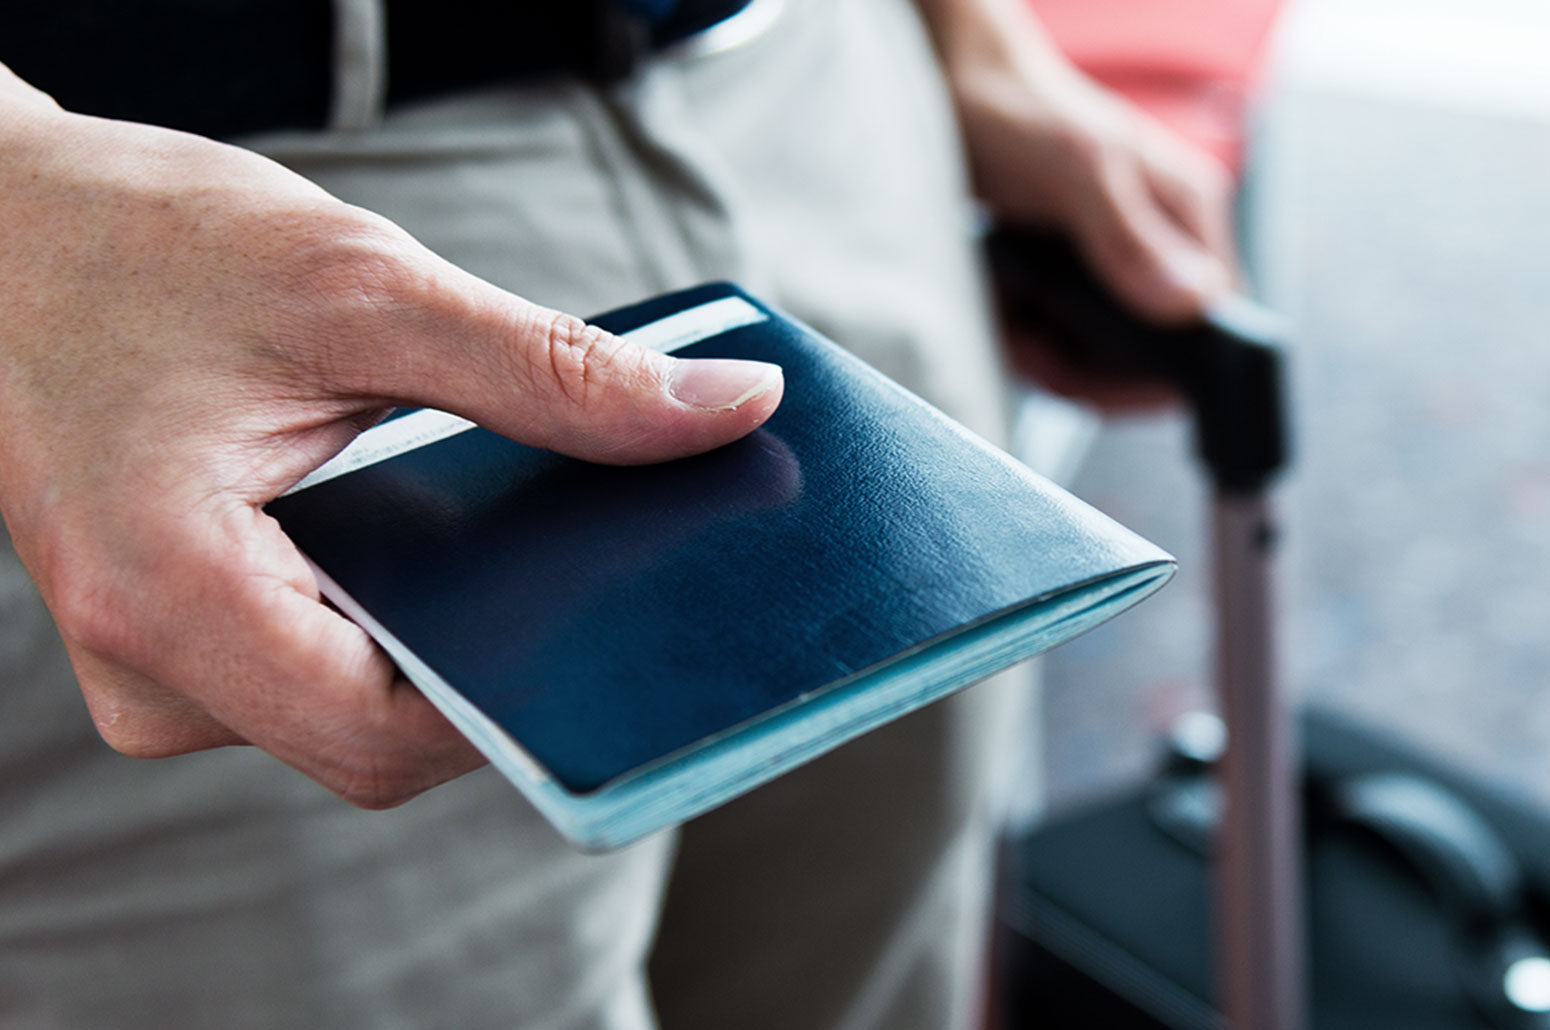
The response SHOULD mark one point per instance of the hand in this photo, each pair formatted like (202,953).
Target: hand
(1049,146)
(1150,213)
(187,329)
(1034,358)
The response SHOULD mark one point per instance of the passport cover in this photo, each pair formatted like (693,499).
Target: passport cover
(632,646)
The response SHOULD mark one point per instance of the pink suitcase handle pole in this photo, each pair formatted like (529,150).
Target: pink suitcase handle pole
(1231,371)
(1258,891)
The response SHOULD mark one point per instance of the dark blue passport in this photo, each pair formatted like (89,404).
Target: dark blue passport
(634,645)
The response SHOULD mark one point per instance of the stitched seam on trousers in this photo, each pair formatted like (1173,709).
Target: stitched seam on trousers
(683,164)
(682,224)
(616,170)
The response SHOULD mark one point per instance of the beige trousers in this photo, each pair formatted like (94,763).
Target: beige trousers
(816,164)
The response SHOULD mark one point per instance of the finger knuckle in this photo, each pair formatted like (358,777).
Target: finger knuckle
(573,357)
(1210,187)
(373,787)
(355,279)
(1215,177)
(352,280)
(1079,146)
(129,732)
(87,611)
(1121,248)
(131,743)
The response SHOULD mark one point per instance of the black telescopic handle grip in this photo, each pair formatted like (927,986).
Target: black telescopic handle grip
(1230,367)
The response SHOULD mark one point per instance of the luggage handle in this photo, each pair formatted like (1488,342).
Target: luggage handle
(1230,368)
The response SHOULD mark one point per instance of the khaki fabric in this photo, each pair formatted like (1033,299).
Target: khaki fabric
(817,165)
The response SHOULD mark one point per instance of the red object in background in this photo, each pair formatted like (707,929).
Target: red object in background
(1192,64)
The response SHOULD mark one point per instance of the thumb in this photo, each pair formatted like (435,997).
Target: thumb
(550,380)
(589,393)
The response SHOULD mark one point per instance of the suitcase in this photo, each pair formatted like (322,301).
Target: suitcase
(1434,919)
(1229,370)
(1185,904)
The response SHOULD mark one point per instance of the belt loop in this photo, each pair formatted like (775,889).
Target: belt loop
(360,64)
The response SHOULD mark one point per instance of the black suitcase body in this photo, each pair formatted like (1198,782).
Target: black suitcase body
(1107,920)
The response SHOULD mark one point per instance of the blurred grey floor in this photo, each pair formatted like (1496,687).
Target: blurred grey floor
(1409,243)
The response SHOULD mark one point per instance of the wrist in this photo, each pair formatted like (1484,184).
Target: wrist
(995,51)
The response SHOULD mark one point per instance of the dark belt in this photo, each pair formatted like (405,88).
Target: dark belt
(224,68)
